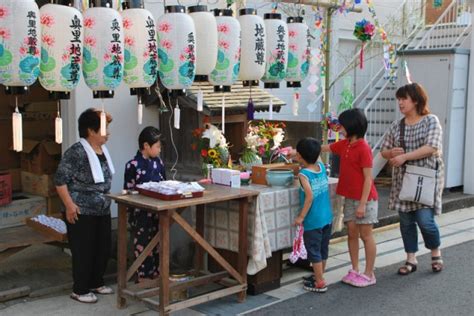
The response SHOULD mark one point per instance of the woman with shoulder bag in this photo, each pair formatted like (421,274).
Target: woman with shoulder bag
(413,146)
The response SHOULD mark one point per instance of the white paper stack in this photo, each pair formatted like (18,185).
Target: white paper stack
(171,187)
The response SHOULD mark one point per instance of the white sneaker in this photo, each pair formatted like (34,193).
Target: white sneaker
(104,290)
(84,298)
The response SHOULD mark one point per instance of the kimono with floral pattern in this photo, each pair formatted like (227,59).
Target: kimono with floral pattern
(144,224)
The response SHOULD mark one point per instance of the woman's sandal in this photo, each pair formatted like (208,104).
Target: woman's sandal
(407,268)
(437,264)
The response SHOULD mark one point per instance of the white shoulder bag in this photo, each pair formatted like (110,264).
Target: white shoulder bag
(419,183)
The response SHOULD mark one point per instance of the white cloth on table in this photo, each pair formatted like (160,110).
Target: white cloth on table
(260,246)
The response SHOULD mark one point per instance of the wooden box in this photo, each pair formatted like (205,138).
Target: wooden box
(45,230)
(259,172)
(266,280)
(38,184)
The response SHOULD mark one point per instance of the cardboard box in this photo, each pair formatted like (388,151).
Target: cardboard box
(40,157)
(259,172)
(54,205)
(5,188)
(38,184)
(16,179)
(23,206)
(226,177)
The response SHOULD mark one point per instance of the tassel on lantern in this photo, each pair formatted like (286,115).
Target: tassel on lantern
(58,128)
(200,100)
(295,106)
(223,114)
(140,111)
(250,110)
(177,116)
(361,64)
(103,121)
(17,129)
(270,109)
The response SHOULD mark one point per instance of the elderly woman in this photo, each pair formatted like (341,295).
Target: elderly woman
(82,180)
(421,146)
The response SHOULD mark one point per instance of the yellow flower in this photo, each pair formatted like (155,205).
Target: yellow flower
(212,153)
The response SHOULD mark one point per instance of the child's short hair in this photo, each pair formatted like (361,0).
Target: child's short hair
(354,122)
(309,149)
(150,135)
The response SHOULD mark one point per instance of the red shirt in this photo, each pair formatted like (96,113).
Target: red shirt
(353,158)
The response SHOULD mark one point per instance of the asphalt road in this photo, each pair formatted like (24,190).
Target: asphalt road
(450,292)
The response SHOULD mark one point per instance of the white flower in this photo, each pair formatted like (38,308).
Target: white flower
(215,137)
(278,138)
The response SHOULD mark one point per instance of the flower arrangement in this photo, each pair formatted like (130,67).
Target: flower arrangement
(363,31)
(263,140)
(212,146)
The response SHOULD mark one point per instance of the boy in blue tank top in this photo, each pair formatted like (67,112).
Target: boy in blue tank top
(316,213)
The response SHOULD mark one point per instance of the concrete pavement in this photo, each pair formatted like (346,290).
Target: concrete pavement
(456,227)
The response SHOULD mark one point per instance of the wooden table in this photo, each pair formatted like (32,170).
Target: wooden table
(169,213)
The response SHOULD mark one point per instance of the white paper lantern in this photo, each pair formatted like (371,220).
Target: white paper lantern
(20,42)
(176,48)
(226,70)
(277,50)
(141,57)
(61,47)
(206,41)
(253,47)
(299,55)
(103,49)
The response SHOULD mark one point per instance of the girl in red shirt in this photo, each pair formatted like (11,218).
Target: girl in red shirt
(357,186)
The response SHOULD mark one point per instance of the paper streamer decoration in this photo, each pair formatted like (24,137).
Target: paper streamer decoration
(103,49)
(276,50)
(177,116)
(176,48)
(252,59)
(227,67)
(20,41)
(407,72)
(299,47)
(389,48)
(61,48)
(206,41)
(17,124)
(363,31)
(295,106)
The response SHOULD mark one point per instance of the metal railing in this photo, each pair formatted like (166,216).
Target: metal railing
(450,28)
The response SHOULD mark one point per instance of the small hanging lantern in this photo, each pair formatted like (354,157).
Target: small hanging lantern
(277,50)
(206,41)
(299,47)
(20,41)
(252,59)
(141,54)
(227,67)
(176,48)
(61,48)
(103,51)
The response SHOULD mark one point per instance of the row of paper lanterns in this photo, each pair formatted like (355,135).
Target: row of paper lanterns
(57,44)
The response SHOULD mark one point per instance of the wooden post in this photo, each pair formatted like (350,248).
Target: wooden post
(199,259)
(121,255)
(164,261)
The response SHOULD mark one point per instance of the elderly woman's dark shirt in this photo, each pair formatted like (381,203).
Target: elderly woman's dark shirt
(75,172)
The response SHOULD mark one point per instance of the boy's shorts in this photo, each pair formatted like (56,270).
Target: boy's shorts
(371,212)
(316,242)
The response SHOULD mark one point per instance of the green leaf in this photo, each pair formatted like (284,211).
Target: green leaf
(132,63)
(6,58)
(47,66)
(90,67)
